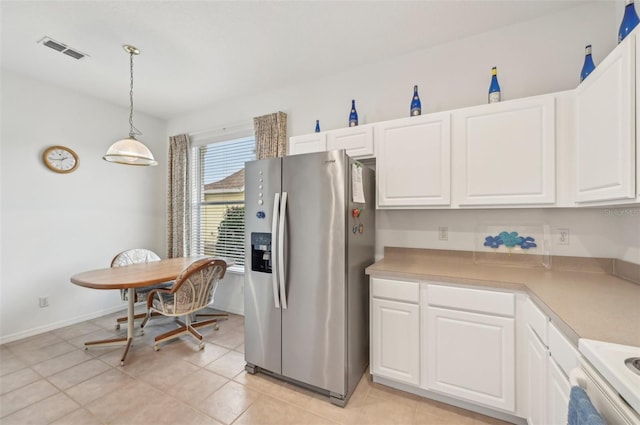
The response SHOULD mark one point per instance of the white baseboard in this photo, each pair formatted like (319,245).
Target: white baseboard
(61,324)
(229,308)
(235,309)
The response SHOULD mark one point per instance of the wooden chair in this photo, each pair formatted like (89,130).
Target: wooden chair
(136,256)
(193,290)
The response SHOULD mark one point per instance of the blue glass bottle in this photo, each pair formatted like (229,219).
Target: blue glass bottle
(588,63)
(494,87)
(416,107)
(317,126)
(353,116)
(629,20)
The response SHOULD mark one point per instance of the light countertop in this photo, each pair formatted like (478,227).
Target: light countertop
(580,295)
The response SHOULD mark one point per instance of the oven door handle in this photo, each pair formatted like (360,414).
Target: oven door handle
(577,378)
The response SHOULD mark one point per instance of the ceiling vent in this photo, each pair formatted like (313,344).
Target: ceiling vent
(61,47)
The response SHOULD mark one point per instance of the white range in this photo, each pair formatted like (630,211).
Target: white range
(618,364)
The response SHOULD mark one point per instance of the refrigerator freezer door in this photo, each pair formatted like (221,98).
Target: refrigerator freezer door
(313,325)
(262,316)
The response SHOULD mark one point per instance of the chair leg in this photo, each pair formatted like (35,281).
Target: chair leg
(146,318)
(220,315)
(186,327)
(169,335)
(210,322)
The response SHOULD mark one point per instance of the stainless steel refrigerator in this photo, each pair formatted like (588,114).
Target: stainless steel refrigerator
(307,244)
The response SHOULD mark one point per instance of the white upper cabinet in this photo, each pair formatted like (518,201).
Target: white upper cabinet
(308,143)
(605,128)
(358,141)
(413,161)
(504,153)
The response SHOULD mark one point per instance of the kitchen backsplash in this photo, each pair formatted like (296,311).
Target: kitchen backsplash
(590,232)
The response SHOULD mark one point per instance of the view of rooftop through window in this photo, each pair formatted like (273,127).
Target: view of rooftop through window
(218,198)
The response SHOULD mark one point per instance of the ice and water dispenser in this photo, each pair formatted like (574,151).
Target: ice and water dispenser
(261,252)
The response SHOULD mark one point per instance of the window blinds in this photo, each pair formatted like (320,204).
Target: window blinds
(218,198)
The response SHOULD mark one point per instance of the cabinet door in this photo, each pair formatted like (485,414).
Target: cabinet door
(537,358)
(605,128)
(413,161)
(505,153)
(357,141)
(308,143)
(395,340)
(558,393)
(471,356)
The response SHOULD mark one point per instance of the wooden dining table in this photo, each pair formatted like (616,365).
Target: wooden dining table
(131,277)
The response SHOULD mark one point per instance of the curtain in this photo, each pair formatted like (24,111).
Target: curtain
(178,216)
(271,135)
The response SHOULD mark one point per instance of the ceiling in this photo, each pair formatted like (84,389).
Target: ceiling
(196,54)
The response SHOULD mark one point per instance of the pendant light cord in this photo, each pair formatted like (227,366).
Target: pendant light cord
(131,133)
(132,129)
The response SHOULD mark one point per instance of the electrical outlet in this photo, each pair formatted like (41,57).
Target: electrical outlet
(443,233)
(44,302)
(562,236)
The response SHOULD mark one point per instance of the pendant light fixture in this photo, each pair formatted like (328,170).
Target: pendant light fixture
(130,151)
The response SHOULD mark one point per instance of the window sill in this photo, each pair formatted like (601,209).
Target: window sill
(235,269)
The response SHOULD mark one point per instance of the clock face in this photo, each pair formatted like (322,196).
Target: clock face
(60,159)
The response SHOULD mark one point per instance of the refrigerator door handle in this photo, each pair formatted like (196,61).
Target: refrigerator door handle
(283,213)
(274,249)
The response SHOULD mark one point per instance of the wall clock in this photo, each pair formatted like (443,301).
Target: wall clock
(60,159)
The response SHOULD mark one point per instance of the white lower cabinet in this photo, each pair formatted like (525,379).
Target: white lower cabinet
(537,363)
(549,359)
(395,330)
(469,352)
(558,390)
(471,355)
(441,340)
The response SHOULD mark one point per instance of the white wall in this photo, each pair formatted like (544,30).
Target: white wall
(55,225)
(540,56)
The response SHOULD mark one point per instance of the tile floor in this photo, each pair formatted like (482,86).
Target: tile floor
(51,379)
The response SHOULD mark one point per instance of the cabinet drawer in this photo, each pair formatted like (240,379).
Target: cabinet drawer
(492,302)
(537,320)
(562,351)
(400,290)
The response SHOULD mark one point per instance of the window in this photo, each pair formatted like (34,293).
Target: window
(218,198)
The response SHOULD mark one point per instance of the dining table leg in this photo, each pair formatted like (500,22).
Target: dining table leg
(130,324)
(128,341)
